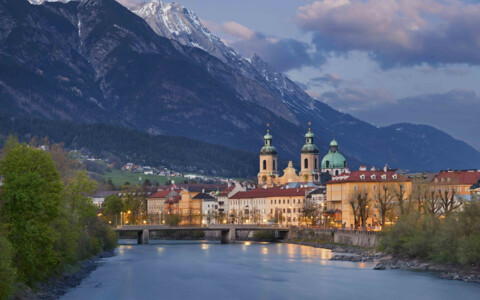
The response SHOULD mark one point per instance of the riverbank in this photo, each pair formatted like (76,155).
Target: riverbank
(55,287)
(389,262)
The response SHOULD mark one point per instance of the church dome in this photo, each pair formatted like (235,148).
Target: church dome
(268,148)
(309,146)
(334,159)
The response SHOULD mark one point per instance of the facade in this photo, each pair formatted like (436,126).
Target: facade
(224,195)
(309,161)
(190,209)
(209,208)
(156,201)
(280,205)
(99,198)
(475,189)
(172,206)
(370,185)
(456,182)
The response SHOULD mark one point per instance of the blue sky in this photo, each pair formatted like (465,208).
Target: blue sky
(384,61)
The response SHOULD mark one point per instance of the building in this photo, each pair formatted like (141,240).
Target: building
(280,205)
(99,197)
(268,174)
(475,189)
(190,208)
(156,201)
(209,208)
(171,206)
(365,189)
(224,195)
(457,182)
(334,162)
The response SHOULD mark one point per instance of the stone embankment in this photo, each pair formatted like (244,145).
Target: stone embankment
(58,286)
(445,271)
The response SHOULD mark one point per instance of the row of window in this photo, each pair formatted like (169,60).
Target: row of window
(288,210)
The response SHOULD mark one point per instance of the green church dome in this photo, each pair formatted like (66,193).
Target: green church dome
(268,148)
(309,146)
(334,159)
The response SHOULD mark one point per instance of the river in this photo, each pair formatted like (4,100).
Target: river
(245,270)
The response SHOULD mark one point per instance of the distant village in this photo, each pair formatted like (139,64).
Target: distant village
(323,193)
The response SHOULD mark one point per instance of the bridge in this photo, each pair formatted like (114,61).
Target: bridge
(228,231)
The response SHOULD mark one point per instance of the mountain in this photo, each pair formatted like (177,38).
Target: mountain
(94,61)
(122,145)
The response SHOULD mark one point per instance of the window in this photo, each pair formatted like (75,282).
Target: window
(284,210)
(305,163)
(316,164)
(394,176)
(293,201)
(354,187)
(294,210)
(374,186)
(271,201)
(373,177)
(327,164)
(275,201)
(362,176)
(336,173)
(384,176)
(283,201)
(264,164)
(288,201)
(274,165)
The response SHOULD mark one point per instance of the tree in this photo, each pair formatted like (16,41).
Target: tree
(361,201)
(112,207)
(30,204)
(77,192)
(147,182)
(399,190)
(385,204)
(309,212)
(8,273)
(448,201)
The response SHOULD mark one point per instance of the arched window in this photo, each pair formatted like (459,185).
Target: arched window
(274,165)
(305,164)
(327,164)
(336,172)
(264,164)
(344,164)
(316,164)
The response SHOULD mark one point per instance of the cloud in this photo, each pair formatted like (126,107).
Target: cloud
(352,99)
(280,53)
(131,3)
(327,80)
(455,112)
(396,32)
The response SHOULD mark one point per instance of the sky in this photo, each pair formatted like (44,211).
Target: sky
(383,61)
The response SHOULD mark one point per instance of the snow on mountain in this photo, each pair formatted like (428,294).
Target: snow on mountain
(173,21)
(39,2)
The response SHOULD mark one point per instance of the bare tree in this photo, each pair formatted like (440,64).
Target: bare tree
(400,192)
(448,201)
(432,203)
(356,218)
(385,204)
(359,204)
(309,212)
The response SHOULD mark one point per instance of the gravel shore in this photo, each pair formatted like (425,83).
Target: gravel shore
(58,286)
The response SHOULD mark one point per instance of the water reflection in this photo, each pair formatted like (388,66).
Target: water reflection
(193,270)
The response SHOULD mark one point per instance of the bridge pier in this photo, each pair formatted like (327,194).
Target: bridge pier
(281,234)
(143,237)
(228,236)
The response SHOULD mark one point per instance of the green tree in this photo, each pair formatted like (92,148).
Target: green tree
(8,272)
(77,192)
(112,207)
(30,204)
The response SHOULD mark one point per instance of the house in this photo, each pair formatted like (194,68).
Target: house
(156,201)
(345,192)
(99,197)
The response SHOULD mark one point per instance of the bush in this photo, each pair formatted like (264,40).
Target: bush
(469,250)
(264,235)
(8,273)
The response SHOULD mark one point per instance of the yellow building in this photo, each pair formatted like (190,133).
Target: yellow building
(355,198)
(190,208)
(269,175)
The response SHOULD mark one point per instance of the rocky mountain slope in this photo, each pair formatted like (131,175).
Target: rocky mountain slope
(95,61)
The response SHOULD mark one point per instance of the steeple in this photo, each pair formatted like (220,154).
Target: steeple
(309,158)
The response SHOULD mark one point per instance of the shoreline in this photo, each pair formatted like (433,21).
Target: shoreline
(390,262)
(55,287)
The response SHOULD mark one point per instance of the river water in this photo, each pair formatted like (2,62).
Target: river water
(209,270)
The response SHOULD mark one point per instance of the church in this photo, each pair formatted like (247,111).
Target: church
(333,163)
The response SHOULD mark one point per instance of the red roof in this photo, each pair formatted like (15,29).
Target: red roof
(160,194)
(457,177)
(174,199)
(226,191)
(368,176)
(272,192)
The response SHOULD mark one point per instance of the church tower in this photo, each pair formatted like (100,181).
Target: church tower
(309,170)
(268,162)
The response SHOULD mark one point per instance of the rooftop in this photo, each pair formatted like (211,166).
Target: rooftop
(368,176)
(272,192)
